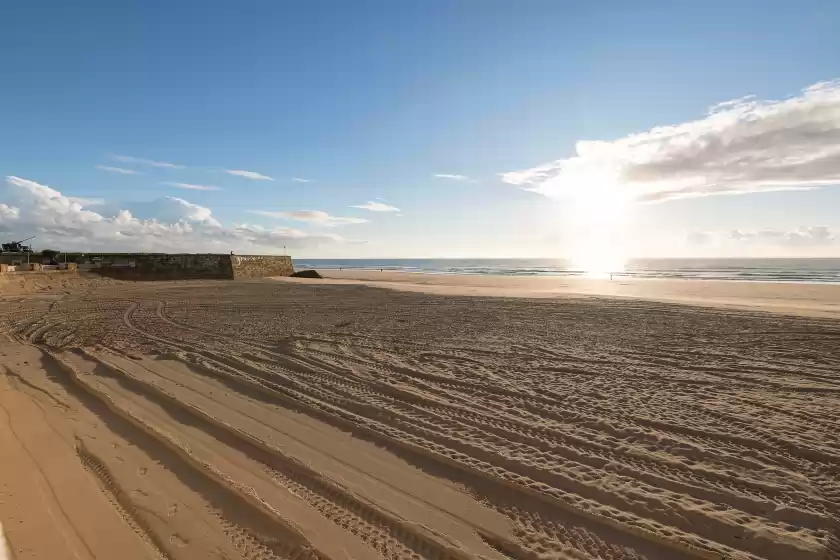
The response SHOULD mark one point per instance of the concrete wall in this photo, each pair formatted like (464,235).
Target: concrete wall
(186,266)
(31,267)
(35,267)
(23,258)
(17,258)
(259,266)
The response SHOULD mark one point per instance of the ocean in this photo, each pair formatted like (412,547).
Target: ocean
(758,270)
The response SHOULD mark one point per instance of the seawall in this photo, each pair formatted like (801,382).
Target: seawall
(260,266)
(189,266)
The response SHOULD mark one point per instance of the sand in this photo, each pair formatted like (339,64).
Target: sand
(819,300)
(49,282)
(265,419)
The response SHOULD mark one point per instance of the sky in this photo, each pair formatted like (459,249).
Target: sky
(439,128)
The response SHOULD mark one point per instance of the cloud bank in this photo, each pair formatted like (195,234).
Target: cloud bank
(178,226)
(375,206)
(741,146)
(805,235)
(253,175)
(802,236)
(316,217)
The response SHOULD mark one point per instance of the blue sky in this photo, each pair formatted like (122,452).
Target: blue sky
(369,101)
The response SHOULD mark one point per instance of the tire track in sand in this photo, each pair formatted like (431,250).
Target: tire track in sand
(752,498)
(577,540)
(118,499)
(348,399)
(479,455)
(372,524)
(645,533)
(242,515)
(384,532)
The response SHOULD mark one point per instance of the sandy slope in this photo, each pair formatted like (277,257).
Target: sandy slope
(263,420)
(51,282)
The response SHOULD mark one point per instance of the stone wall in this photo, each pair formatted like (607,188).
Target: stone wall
(165,267)
(186,266)
(260,266)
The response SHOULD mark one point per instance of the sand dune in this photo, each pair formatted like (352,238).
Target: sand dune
(264,419)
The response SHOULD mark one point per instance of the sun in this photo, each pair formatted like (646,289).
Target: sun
(599,216)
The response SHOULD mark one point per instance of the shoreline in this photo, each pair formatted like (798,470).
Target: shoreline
(618,276)
(796,298)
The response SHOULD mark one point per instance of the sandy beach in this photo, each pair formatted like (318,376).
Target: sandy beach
(792,298)
(332,419)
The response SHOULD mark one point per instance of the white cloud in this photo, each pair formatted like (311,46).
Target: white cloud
(118,170)
(301,180)
(184,210)
(313,216)
(8,215)
(451,176)
(741,146)
(249,174)
(141,161)
(374,206)
(192,187)
(804,235)
(9,212)
(84,201)
(178,225)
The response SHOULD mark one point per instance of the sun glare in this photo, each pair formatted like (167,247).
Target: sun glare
(599,262)
(599,219)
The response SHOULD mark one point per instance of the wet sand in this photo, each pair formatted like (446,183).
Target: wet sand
(279,419)
(798,299)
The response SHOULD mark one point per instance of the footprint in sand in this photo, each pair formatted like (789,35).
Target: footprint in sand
(178,540)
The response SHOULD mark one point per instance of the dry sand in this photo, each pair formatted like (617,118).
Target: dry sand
(260,420)
(49,282)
